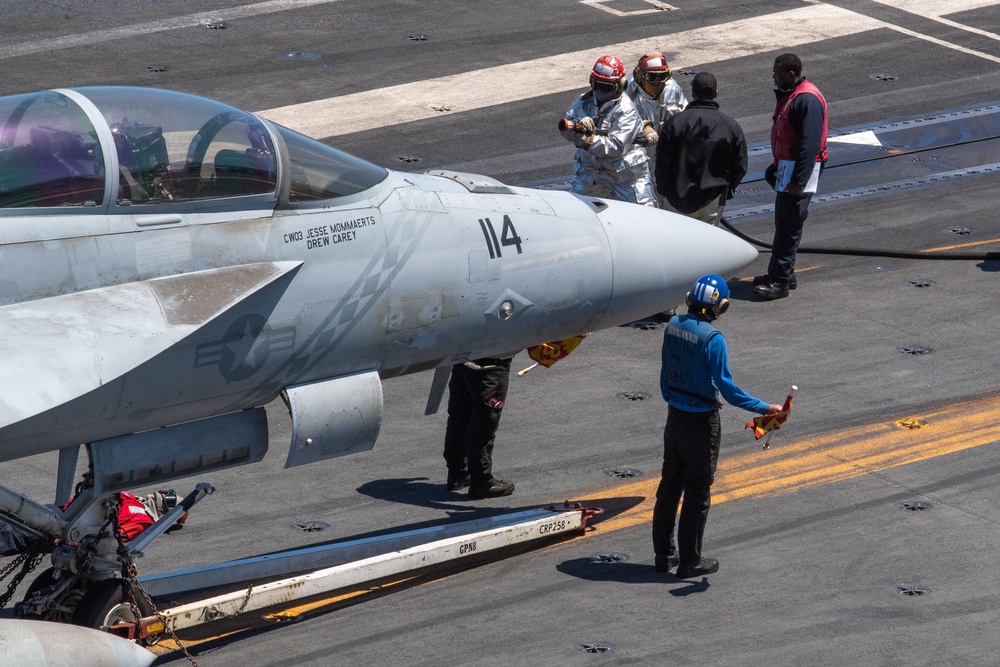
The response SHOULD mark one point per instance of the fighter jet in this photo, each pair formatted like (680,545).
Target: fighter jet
(171,264)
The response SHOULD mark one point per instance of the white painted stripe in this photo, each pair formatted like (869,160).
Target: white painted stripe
(655,7)
(936,8)
(977,31)
(561,73)
(941,42)
(566,72)
(127,31)
(966,28)
(935,11)
(863,138)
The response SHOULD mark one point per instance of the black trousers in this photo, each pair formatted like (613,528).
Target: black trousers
(790,213)
(475,401)
(690,454)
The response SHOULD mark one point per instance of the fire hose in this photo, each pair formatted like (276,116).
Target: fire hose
(566,125)
(870,252)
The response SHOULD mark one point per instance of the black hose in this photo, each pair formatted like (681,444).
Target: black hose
(876,252)
(871,252)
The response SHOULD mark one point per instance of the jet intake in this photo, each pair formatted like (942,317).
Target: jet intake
(334,417)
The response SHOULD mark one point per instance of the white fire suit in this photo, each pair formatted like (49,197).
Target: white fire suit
(613,166)
(656,110)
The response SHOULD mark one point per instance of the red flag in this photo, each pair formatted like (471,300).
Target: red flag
(547,354)
(764,424)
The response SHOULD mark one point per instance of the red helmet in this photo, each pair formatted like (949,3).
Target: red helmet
(608,69)
(654,62)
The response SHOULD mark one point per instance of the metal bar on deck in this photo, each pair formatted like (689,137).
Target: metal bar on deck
(465,539)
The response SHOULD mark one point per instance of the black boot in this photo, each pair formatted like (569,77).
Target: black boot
(776,290)
(705,566)
(458,480)
(495,488)
(665,563)
(767,280)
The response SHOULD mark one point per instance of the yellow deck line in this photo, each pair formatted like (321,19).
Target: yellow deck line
(956,246)
(793,464)
(285,615)
(789,465)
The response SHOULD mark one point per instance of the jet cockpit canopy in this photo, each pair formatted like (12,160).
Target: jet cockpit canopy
(106,148)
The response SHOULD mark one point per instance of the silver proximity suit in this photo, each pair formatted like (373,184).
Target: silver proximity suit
(613,165)
(656,110)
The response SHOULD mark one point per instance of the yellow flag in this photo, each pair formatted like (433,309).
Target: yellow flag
(547,354)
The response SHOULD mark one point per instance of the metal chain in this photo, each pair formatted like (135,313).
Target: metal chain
(133,587)
(131,575)
(9,567)
(218,615)
(28,562)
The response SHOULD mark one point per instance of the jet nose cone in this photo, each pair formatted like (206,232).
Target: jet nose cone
(657,256)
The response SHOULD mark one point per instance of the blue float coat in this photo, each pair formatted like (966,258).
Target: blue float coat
(695,368)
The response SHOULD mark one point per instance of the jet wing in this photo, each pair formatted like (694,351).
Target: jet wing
(59,348)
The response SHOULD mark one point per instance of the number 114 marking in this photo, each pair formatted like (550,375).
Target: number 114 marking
(508,236)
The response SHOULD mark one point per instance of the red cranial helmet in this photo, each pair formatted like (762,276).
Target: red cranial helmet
(652,67)
(608,70)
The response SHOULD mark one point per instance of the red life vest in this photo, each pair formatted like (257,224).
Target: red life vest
(784,138)
(132,516)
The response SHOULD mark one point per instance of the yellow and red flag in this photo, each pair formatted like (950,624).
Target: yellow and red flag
(764,424)
(547,354)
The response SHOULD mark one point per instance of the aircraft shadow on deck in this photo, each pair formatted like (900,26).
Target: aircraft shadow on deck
(741,290)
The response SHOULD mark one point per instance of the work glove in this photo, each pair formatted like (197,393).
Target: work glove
(650,134)
(586,125)
(771,175)
(584,140)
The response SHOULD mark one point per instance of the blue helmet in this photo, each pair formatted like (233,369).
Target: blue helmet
(710,295)
(710,290)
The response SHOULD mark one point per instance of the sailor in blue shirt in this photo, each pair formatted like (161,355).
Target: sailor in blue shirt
(695,371)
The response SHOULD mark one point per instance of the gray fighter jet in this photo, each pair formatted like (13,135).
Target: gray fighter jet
(171,264)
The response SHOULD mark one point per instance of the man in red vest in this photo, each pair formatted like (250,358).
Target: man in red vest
(798,144)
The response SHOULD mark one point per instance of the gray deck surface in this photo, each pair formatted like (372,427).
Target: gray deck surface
(809,564)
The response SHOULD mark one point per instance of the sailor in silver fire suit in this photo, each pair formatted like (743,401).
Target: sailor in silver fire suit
(604,125)
(657,97)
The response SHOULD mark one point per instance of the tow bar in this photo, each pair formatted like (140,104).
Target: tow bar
(347,564)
